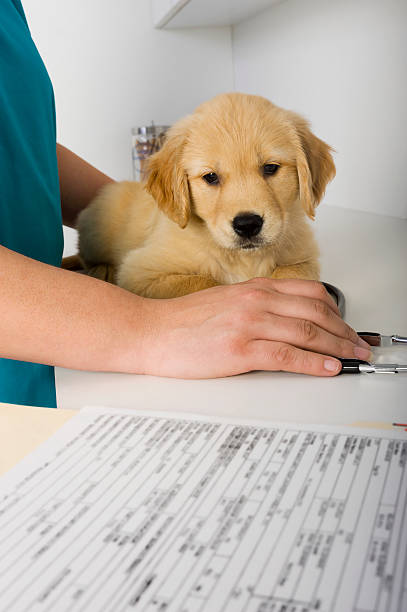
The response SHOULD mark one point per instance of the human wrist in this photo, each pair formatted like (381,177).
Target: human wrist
(131,334)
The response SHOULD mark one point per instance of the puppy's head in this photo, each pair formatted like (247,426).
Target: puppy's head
(239,164)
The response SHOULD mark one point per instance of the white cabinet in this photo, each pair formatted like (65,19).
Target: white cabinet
(204,13)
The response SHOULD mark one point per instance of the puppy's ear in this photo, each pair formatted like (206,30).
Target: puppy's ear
(315,165)
(167,180)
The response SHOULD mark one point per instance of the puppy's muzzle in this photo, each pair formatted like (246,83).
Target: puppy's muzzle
(247,225)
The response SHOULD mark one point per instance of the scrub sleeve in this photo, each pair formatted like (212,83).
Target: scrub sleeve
(30,208)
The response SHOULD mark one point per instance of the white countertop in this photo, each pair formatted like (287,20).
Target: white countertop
(363,254)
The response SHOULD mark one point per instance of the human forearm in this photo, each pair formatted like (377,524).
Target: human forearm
(52,316)
(79,183)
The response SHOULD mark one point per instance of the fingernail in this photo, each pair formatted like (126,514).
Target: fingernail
(362,353)
(331,365)
(362,343)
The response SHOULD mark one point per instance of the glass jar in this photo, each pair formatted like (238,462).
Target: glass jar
(146,140)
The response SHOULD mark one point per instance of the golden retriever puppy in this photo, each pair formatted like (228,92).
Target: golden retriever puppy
(226,200)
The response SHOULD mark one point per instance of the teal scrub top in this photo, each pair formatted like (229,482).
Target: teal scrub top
(30,207)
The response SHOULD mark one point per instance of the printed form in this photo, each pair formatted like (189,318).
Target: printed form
(124,510)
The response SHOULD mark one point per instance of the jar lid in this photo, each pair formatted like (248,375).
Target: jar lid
(148,130)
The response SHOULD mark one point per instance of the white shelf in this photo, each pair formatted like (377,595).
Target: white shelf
(205,13)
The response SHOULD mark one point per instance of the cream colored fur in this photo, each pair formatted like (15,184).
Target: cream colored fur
(174,235)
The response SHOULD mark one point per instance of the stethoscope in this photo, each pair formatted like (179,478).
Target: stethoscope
(357,366)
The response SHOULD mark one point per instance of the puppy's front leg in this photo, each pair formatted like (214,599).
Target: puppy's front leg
(308,270)
(176,285)
(151,274)
(171,286)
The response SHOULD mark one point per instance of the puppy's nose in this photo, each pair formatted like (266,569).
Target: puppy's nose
(247,225)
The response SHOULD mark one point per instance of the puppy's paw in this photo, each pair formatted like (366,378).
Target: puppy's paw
(105,272)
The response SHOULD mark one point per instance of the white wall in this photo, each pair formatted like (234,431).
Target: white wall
(342,64)
(111,71)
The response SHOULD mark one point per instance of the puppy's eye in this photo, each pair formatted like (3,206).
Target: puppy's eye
(211,178)
(270,169)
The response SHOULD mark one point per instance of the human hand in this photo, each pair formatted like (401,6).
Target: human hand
(261,324)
